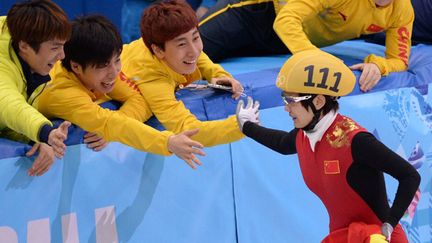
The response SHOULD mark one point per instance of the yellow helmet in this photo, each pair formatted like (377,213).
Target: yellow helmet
(315,72)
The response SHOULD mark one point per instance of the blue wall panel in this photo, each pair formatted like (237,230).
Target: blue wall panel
(243,192)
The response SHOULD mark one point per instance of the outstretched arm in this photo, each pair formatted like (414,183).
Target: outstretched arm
(398,41)
(249,122)
(398,48)
(279,141)
(175,117)
(289,23)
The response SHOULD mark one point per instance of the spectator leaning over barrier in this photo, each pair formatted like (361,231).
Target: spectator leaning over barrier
(236,27)
(88,75)
(341,162)
(422,29)
(168,57)
(31,41)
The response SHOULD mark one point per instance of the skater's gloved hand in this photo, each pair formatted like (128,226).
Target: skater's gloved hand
(248,113)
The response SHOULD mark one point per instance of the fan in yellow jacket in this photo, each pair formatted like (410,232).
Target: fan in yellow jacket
(31,41)
(170,57)
(245,27)
(89,75)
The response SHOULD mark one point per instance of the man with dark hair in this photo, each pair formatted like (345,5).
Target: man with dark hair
(90,74)
(169,57)
(31,41)
(341,162)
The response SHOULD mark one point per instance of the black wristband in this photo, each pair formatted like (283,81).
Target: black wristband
(44,133)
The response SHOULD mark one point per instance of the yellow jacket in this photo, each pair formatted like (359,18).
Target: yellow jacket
(158,83)
(16,110)
(67,98)
(305,24)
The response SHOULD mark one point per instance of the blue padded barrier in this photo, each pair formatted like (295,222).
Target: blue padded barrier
(242,193)
(259,74)
(118,195)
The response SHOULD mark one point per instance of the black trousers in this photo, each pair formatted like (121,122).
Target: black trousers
(233,28)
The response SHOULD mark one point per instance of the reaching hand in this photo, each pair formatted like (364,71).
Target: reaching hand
(94,141)
(56,139)
(370,76)
(185,148)
(248,113)
(43,161)
(237,88)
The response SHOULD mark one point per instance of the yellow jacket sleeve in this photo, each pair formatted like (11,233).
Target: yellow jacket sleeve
(175,117)
(398,41)
(288,23)
(15,112)
(70,101)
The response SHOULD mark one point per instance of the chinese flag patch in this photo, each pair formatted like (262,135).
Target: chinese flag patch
(331,167)
(374,28)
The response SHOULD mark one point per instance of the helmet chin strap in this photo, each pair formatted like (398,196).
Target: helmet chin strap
(315,119)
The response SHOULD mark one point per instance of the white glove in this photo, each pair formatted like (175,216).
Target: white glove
(387,230)
(248,113)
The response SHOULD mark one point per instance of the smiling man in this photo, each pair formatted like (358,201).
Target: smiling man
(32,36)
(168,57)
(88,76)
